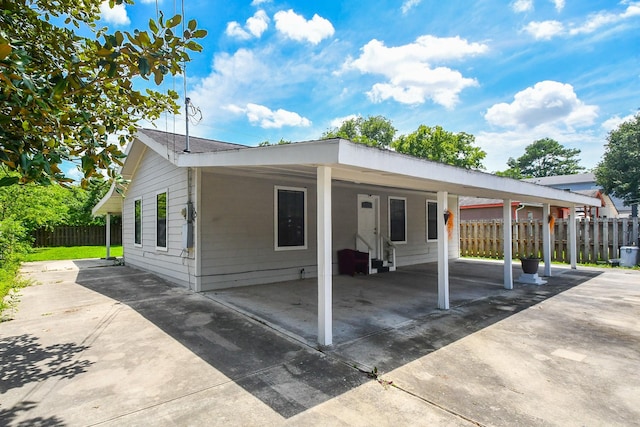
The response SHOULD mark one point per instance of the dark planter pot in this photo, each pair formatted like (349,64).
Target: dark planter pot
(530,265)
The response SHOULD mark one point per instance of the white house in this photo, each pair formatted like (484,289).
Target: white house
(224,215)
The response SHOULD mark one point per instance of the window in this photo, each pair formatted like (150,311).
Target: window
(432,221)
(137,222)
(290,218)
(161,220)
(398,219)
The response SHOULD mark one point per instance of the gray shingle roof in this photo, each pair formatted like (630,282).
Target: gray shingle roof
(177,142)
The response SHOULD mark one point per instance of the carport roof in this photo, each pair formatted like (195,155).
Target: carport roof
(349,162)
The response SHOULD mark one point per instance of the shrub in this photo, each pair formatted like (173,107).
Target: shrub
(14,244)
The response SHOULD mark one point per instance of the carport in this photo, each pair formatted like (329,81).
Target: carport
(366,305)
(334,161)
(327,165)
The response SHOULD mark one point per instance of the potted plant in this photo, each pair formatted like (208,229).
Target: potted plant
(530,264)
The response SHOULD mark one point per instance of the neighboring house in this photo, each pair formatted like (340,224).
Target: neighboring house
(225,215)
(482,209)
(583,183)
(478,209)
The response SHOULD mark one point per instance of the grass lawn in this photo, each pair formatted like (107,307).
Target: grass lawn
(71,252)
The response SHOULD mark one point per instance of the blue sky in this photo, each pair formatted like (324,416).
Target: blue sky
(507,72)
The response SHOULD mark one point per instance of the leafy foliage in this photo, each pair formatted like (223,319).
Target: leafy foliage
(544,157)
(432,143)
(435,143)
(514,173)
(35,206)
(619,171)
(14,243)
(281,142)
(375,131)
(62,94)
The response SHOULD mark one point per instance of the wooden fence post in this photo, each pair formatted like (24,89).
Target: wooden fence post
(598,239)
(92,235)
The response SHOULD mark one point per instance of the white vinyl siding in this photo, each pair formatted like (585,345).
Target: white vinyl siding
(238,229)
(154,175)
(235,226)
(237,223)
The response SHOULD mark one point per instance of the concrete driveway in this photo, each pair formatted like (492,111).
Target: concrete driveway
(97,344)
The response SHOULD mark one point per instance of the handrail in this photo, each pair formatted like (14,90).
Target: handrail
(359,237)
(369,249)
(391,245)
(388,241)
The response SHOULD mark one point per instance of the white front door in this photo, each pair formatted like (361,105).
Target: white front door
(368,224)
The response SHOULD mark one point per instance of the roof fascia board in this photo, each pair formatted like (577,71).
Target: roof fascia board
(134,156)
(301,153)
(155,146)
(358,155)
(98,209)
(343,152)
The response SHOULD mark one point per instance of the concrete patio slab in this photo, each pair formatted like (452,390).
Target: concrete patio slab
(114,346)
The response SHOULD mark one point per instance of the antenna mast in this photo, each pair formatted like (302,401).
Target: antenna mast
(186,117)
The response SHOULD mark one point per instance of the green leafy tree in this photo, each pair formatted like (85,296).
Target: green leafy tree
(435,143)
(81,202)
(267,143)
(46,206)
(511,173)
(619,171)
(375,131)
(35,206)
(63,93)
(544,157)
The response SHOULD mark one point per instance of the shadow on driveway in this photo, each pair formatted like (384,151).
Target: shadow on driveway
(24,360)
(291,377)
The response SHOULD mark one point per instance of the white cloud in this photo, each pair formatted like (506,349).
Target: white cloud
(511,143)
(544,30)
(409,4)
(269,119)
(116,15)
(74,173)
(255,26)
(338,121)
(234,78)
(520,6)
(259,2)
(601,19)
(547,102)
(234,29)
(411,77)
(615,121)
(559,4)
(297,28)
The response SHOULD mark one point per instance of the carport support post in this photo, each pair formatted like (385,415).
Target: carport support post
(443,253)
(325,314)
(546,238)
(573,238)
(507,244)
(108,236)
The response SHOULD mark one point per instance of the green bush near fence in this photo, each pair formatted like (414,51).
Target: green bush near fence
(14,244)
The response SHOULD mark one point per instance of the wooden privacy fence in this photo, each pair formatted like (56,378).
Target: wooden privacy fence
(90,235)
(597,240)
